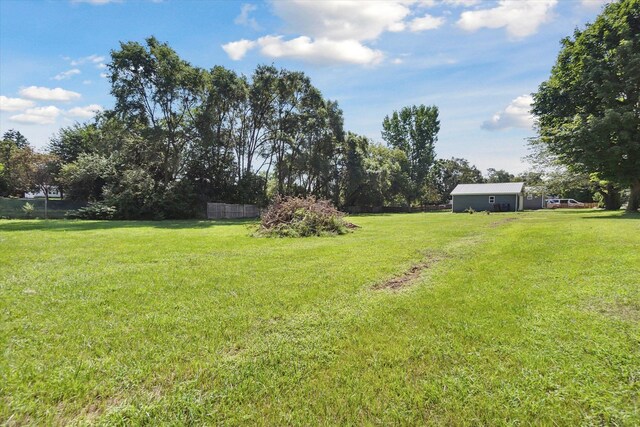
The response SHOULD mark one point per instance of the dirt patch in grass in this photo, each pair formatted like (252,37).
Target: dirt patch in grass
(89,414)
(502,222)
(232,351)
(409,277)
(618,310)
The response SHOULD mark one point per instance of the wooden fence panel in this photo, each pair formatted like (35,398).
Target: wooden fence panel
(589,205)
(231,211)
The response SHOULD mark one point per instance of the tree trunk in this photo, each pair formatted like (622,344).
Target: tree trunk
(634,197)
(611,198)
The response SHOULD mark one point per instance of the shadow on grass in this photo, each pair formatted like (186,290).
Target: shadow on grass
(82,225)
(616,215)
(575,211)
(599,213)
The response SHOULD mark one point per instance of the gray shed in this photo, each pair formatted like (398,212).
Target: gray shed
(534,198)
(500,197)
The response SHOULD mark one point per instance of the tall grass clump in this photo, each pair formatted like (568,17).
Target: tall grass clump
(302,217)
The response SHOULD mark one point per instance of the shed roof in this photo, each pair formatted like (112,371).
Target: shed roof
(489,189)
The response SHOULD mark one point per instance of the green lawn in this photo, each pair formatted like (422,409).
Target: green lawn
(528,318)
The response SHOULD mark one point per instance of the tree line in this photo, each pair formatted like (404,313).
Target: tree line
(179,136)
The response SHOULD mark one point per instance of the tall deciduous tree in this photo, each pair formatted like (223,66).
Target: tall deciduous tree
(324,137)
(354,176)
(414,130)
(156,88)
(211,164)
(386,176)
(589,110)
(14,168)
(18,139)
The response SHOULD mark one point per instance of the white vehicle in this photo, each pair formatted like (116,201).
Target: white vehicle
(564,203)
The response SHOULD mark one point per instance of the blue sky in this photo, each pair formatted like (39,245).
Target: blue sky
(478,61)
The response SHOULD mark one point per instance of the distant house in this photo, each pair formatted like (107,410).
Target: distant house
(53,193)
(500,197)
(534,198)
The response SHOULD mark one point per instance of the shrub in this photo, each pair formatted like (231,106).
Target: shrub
(85,178)
(470,210)
(28,209)
(96,210)
(302,217)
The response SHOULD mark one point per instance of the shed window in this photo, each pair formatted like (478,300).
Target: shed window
(492,199)
(529,196)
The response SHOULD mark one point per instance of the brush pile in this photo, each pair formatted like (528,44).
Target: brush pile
(302,217)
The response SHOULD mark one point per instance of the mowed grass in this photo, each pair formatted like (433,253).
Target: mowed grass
(527,318)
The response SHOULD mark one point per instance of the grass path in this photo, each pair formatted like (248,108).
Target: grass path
(525,318)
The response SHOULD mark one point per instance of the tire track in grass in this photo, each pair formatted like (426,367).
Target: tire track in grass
(415,273)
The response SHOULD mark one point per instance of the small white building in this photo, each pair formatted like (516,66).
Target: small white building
(53,192)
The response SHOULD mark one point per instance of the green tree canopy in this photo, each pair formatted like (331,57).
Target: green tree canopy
(448,173)
(70,142)
(414,130)
(499,175)
(589,110)
(18,139)
(16,164)
(155,88)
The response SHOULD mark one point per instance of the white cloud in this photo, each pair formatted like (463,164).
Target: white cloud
(38,116)
(516,114)
(92,59)
(237,50)
(46,94)
(465,3)
(104,75)
(67,74)
(86,82)
(427,22)
(454,3)
(85,112)
(521,18)
(319,51)
(14,104)
(334,31)
(329,31)
(342,20)
(245,19)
